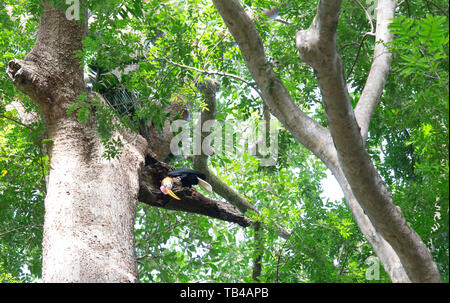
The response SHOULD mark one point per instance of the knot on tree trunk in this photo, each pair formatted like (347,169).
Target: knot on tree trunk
(312,49)
(27,77)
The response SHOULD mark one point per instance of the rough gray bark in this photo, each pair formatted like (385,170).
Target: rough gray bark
(408,258)
(89,208)
(90,203)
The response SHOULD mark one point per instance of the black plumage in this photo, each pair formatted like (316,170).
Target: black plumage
(187,176)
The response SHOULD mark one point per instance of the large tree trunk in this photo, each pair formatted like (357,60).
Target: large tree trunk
(89,208)
(91,202)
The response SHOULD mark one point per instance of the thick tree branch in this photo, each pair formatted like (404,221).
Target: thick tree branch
(317,46)
(317,139)
(386,254)
(379,69)
(191,200)
(322,147)
(209,89)
(274,93)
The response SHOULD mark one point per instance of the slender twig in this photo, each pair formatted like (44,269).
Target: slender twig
(407,6)
(411,153)
(279,257)
(209,72)
(359,51)
(251,84)
(348,44)
(10,156)
(19,228)
(150,255)
(382,149)
(213,48)
(367,15)
(438,7)
(278,269)
(341,271)
(438,77)
(16,121)
(341,251)
(278,19)
(163,79)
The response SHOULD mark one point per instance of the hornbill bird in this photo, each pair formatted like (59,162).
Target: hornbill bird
(188,177)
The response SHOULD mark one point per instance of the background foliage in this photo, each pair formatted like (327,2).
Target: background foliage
(161,47)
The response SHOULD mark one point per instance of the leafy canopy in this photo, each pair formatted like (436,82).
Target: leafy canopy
(145,55)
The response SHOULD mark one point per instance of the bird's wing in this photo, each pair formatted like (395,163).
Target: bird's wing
(205,185)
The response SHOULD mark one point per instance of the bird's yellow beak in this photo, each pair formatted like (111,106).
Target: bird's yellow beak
(171,193)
